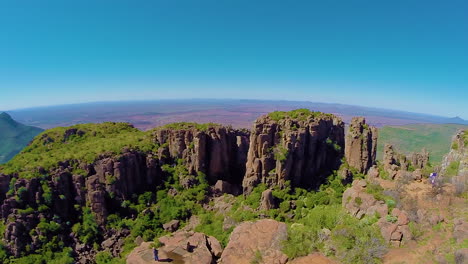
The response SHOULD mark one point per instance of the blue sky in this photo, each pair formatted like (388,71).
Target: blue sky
(406,55)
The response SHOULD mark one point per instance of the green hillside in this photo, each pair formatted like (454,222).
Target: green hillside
(14,137)
(436,138)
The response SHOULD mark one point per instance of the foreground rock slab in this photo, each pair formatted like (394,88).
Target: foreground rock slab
(315,258)
(180,247)
(259,241)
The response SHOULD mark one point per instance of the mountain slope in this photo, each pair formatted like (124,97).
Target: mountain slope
(14,137)
(436,138)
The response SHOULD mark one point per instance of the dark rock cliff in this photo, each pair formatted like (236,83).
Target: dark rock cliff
(303,150)
(217,151)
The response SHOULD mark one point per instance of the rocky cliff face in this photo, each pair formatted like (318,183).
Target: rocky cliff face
(104,186)
(217,151)
(458,153)
(455,163)
(396,164)
(361,145)
(303,149)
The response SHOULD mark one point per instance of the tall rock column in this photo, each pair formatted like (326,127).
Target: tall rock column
(361,145)
(298,146)
(219,152)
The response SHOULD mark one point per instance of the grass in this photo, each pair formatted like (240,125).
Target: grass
(300,114)
(436,138)
(88,143)
(452,169)
(189,125)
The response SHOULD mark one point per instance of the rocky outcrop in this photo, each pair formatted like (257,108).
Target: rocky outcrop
(222,187)
(397,230)
(361,145)
(267,201)
(219,152)
(458,153)
(397,165)
(303,149)
(259,241)
(420,160)
(103,187)
(359,203)
(390,161)
(394,227)
(180,247)
(314,258)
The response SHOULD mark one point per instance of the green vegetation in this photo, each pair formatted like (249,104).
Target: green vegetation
(436,138)
(14,137)
(280,153)
(87,230)
(189,125)
(300,114)
(212,225)
(452,169)
(87,143)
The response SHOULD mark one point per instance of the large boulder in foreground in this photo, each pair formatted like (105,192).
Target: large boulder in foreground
(314,258)
(259,241)
(180,247)
(300,146)
(361,145)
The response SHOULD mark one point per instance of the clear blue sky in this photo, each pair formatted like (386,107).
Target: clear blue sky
(407,55)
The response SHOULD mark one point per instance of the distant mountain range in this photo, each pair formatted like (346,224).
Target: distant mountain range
(238,113)
(14,137)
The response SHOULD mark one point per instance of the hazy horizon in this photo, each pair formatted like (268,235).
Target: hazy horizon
(216,100)
(407,56)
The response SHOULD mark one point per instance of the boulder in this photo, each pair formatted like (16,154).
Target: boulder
(417,175)
(461,256)
(314,258)
(260,241)
(222,187)
(460,230)
(359,203)
(179,247)
(267,201)
(171,226)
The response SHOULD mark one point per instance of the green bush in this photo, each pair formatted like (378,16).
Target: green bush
(301,114)
(357,242)
(87,230)
(303,235)
(212,224)
(452,169)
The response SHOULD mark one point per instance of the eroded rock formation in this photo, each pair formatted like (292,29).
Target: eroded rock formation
(217,151)
(303,149)
(361,145)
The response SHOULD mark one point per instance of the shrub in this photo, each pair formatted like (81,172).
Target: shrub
(416,230)
(357,241)
(87,230)
(303,235)
(212,225)
(452,169)
(391,218)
